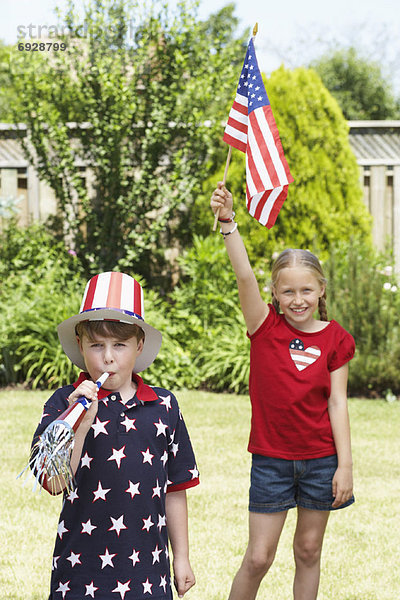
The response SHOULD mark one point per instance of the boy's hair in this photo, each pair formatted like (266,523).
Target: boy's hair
(116,329)
(295,257)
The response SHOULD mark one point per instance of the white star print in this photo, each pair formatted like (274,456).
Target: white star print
(194,472)
(147,523)
(163,582)
(147,456)
(99,427)
(106,559)
(122,588)
(147,587)
(156,554)
(166,401)
(73,496)
(161,427)
(100,492)
(161,522)
(63,588)
(117,455)
(43,416)
(61,529)
(157,490)
(134,557)
(74,559)
(174,449)
(133,488)
(164,458)
(55,561)
(117,525)
(129,423)
(88,527)
(86,460)
(91,589)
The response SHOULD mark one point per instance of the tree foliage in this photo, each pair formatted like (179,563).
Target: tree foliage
(358,85)
(144,90)
(324,202)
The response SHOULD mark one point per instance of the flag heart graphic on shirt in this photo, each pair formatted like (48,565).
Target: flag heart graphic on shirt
(303,357)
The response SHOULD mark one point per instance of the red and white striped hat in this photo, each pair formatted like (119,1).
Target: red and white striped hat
(111,296)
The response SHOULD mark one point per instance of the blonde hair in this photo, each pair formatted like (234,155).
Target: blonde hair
(121,331)
(295,257)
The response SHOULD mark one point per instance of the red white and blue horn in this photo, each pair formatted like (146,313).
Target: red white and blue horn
(50,457)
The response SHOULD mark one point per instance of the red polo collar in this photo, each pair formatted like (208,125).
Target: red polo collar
(144,392)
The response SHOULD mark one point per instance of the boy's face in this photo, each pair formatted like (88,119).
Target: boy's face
(114,356)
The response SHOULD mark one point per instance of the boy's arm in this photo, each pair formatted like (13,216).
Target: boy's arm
(253,306)
(342,484)
(177,525)
(89,390)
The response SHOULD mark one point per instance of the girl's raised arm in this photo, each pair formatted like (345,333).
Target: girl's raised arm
(254,309)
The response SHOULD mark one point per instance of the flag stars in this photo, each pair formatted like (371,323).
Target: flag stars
(73,496)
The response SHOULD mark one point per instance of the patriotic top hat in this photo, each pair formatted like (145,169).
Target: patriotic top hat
(111,297)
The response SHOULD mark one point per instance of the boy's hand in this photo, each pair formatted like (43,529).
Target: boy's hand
(89,390)
(222,199)
(184,577)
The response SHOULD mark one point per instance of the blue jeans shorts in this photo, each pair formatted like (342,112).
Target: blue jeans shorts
(278,484)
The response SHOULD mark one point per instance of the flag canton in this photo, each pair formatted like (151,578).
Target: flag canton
(251,85)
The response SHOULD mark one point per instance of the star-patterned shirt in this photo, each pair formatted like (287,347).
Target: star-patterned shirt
(112,539)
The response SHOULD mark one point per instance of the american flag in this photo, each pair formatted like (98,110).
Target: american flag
(251,128)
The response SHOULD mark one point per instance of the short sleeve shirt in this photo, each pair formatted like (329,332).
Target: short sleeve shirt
(290,387)
(112,536)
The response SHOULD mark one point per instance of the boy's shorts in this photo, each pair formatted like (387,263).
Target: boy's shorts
(278,484)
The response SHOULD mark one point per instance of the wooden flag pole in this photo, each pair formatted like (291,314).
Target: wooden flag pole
(228,159)
(255,29)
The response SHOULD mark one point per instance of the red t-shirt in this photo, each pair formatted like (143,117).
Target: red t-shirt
(290,387)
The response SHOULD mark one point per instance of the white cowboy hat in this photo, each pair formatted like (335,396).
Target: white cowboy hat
(111,296)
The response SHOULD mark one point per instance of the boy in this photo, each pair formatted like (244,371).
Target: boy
(132,458)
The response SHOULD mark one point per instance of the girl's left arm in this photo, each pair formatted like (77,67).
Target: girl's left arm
(177,525)
(342,483)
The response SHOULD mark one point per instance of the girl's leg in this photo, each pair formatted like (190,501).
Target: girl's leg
(264,532)
(307,546)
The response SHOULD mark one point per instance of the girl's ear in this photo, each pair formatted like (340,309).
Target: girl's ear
(323,289)
(140,346)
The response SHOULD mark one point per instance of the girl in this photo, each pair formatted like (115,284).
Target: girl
(300,433)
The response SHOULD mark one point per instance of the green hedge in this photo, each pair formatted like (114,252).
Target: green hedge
(204,337)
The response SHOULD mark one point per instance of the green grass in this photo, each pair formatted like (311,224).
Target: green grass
(361,553)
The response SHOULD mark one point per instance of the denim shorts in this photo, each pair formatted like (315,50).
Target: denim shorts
(278,484)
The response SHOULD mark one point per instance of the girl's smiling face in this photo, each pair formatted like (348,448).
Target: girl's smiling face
(298,292)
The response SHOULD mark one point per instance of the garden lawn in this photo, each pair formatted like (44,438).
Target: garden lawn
(361,553)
